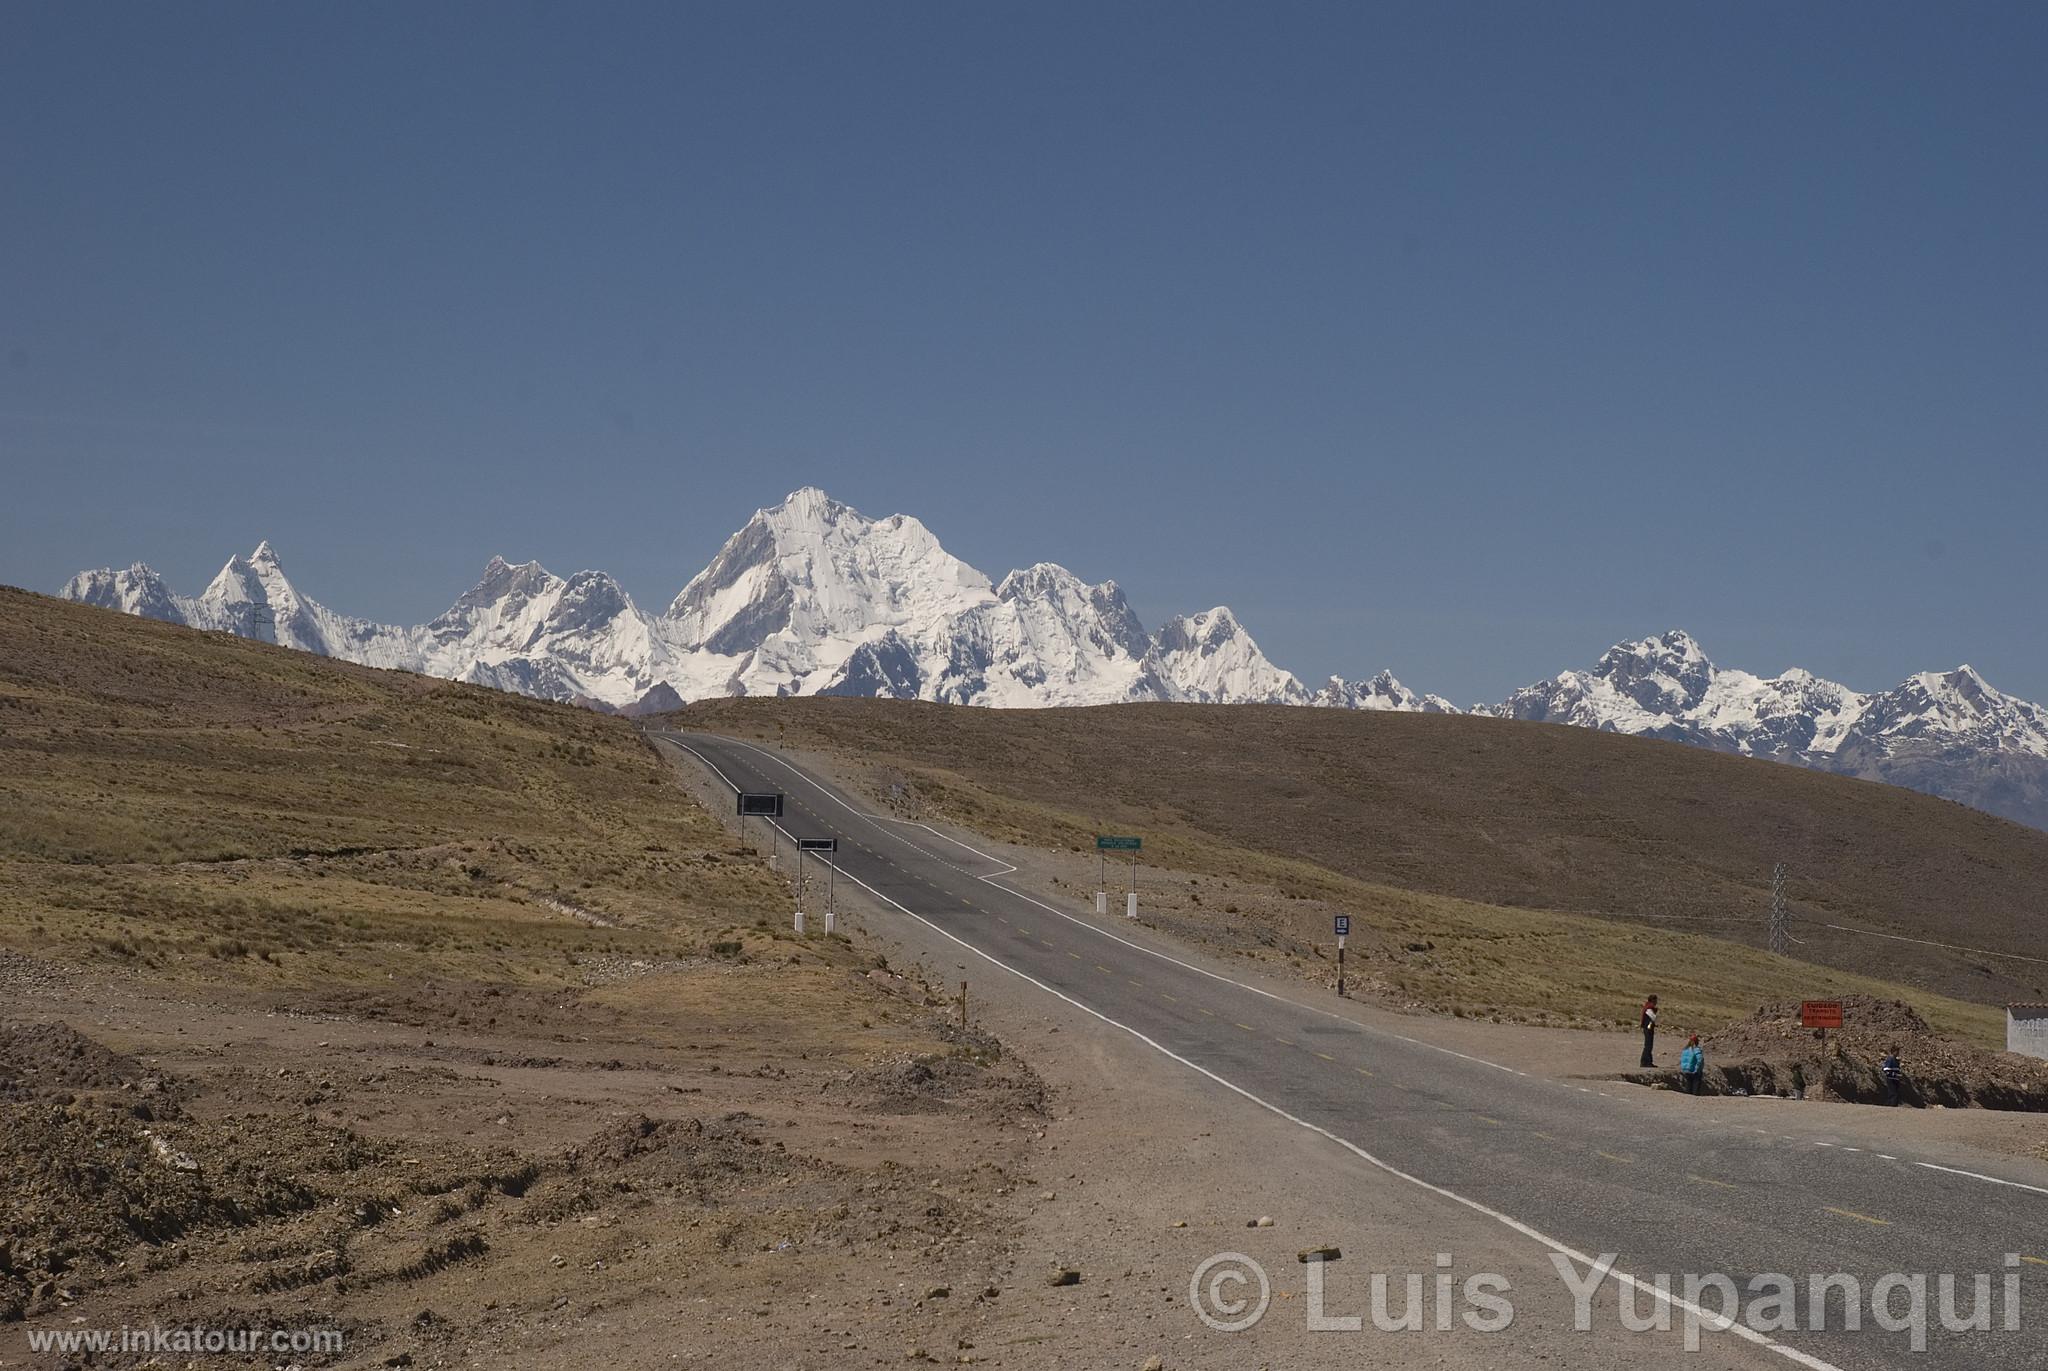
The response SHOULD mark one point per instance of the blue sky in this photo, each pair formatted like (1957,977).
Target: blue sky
(1461,339)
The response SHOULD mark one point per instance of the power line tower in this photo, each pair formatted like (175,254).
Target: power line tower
(1778,931)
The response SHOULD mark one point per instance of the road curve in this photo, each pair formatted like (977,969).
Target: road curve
(1568,1168)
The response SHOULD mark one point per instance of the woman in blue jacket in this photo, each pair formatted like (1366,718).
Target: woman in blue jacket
(1692,1065)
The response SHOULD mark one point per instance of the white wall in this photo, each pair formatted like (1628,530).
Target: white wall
(2026,1030)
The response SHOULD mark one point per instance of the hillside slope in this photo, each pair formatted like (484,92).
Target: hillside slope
(1497,812)
(329,995)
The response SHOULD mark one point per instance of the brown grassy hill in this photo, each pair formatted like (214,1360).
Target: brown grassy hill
(1493,811)
(331,995)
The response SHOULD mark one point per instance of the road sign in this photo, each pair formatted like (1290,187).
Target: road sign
(761,804)
(1820,1014)
(818,844)
(1343,925)
(1109,844)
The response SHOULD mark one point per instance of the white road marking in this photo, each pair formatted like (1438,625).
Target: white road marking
(1008,868)
(1707,1318)
(1977,1177)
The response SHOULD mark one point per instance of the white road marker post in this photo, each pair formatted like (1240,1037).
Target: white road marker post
(1343,933)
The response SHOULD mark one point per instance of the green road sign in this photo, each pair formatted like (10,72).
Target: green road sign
(1107,844)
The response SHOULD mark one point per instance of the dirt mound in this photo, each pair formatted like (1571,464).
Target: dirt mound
(40,1055)
(1861,1014)
(972,1075)
(95,1158)
(1771,1053)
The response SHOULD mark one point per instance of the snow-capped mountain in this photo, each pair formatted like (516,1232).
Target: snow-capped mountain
(523,628)
(252,599)
(811,597)
(1208,657)
(1381,692)
(1950,734)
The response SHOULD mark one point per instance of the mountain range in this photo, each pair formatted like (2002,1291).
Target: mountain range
(813,598)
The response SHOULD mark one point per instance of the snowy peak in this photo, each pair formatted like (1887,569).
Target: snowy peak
(1659,674)
(1668,687)
(805,584)
(1382,692)
(1209,658)
(136,590)
(1096,614)
(1954,709)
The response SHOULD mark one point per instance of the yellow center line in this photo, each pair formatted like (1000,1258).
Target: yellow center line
(1361,1071)
(2037,1261)
(1484,1119)
(1248,1028)
(1103,969)
(1326,1056)
(1001,920)
(1545,1136)
(1283,1042)
(1075,955)
(1210,1012)
(1129,981)
(1860,1218)
(1708,1180)
(1164,996)
(1625,1161)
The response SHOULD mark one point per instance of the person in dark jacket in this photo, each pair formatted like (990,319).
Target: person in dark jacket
(1650,1031)
(1692,1065)
(1894,1075)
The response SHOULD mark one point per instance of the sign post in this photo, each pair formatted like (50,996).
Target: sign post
(1105,844)
(762,804)
(1343,933)
(822,845)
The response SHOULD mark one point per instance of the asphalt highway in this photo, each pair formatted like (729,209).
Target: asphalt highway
(1567,1167)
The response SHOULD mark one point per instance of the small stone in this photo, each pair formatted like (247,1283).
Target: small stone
(1264,1221)
(1063,1275)
(1047,1195)
(1318,1254)
(1154,1364)
(939,1292)
(1180,1223)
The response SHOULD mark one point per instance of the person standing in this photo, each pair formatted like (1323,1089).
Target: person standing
(1650,1031)
(1692,1065)
(1894,1075)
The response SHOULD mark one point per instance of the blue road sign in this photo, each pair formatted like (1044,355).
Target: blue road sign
(1343,924)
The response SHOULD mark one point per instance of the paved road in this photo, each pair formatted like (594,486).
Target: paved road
(1565,1166)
